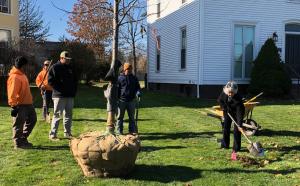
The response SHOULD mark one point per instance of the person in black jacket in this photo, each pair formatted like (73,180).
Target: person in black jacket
(129,88)
(64,82)
(231,102)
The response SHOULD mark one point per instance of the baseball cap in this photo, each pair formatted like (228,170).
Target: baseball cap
(47,62)
(65,54)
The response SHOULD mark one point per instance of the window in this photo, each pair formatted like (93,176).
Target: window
(292,27)
(5,37)
(158,10)
(183,49)
(243,51)
(292,48)
(158,54)
(5,6)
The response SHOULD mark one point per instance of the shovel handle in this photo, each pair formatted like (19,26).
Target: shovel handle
(254,97)
(241,130)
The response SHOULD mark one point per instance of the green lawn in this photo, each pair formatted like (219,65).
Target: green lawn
(179,146)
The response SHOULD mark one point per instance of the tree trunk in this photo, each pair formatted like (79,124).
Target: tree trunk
(134,58)
(111,118)
(115,47)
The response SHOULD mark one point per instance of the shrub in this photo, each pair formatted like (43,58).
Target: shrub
(268,74)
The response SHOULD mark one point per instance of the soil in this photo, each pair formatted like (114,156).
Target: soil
(249,161)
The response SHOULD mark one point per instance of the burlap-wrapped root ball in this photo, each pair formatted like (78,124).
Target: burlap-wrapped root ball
(105,155)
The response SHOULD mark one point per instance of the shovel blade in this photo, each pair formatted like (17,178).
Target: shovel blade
(256,149)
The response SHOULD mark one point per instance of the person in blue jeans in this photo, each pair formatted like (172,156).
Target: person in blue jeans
(128,89)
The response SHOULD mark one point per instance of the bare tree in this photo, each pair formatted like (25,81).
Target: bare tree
(32,26)
(91,24)
(133,32)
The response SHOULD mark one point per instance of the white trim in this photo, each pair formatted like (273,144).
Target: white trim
(293,33)
(201,46)
(148,62)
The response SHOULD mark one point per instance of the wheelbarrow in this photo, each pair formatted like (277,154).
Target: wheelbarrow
(250,126)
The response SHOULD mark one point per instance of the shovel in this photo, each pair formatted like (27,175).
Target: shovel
(254,148)
(137,114)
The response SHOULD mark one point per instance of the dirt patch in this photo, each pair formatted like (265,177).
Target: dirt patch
(249,161)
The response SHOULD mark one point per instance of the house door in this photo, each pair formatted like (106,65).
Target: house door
(292,48)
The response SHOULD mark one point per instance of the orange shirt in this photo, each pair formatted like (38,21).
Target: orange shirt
(39,79)
(18,91)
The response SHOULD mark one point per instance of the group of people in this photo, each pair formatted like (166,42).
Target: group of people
(58,84)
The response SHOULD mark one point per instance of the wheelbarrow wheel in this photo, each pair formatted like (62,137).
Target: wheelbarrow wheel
(251,127)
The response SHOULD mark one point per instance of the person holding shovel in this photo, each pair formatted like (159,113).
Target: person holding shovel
(129,88)
(46,90)
(20,100)
(231,102)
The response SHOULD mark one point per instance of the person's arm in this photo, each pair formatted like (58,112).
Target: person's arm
(51,77)
(240,110)
(38,79)
(221,101)
(13,91)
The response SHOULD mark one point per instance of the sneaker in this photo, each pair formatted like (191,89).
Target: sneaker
(233,156)
(68,135)
(53,138)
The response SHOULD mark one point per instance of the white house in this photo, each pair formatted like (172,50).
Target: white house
(198,45)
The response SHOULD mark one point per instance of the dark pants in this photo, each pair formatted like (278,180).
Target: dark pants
(226,134)
(47,99)
(23,124)
(130,107)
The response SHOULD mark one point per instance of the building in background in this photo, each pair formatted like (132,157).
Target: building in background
(9,21)
(196,46)
(9,38)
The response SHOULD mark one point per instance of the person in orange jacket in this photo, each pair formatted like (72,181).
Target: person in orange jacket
(21,103)
(46,90)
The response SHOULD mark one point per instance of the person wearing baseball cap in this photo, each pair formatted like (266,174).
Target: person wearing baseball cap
(65,55)
(63,80)
(21,103)
(46,90)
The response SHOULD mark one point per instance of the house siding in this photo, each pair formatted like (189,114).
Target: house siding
(169,26)
(220,17)
(210,37)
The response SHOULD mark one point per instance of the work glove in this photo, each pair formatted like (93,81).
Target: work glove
(138,94)
(14,111)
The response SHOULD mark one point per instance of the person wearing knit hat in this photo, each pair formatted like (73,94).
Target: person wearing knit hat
(231,102)
(21,103)
(46,90)
(129,89)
